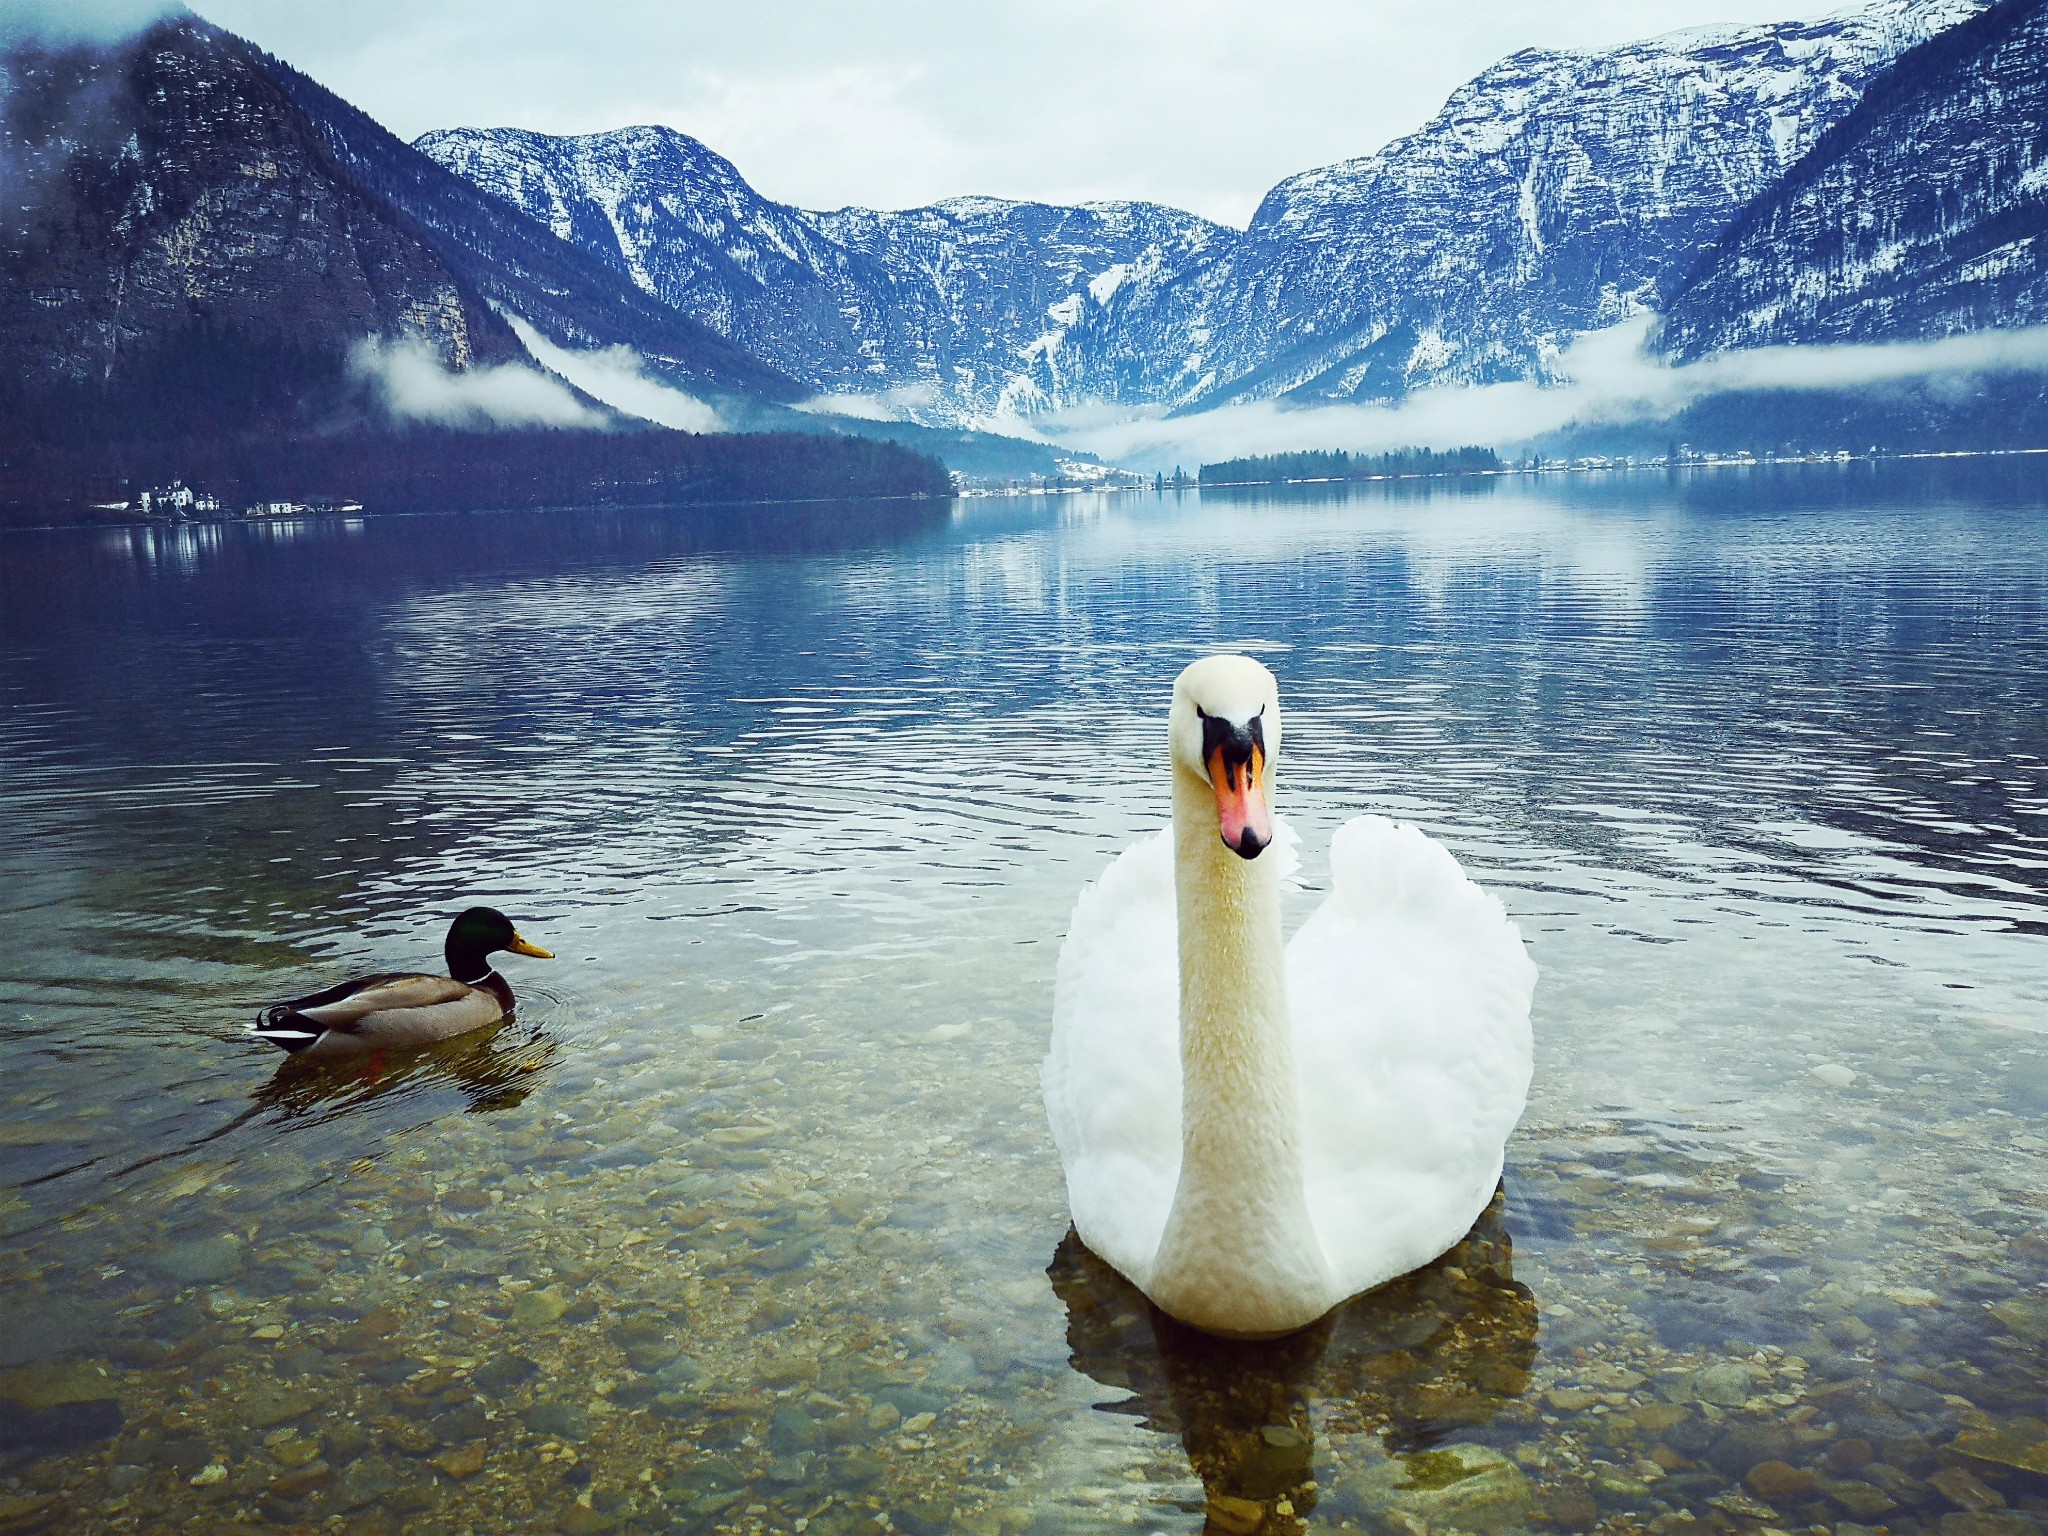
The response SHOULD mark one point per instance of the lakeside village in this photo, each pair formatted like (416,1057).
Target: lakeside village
(181,503)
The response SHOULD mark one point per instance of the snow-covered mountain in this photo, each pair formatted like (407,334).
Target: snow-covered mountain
(1002,286)
(955,311)
(1551,195)
(1923,214)
(680,221)
(1560,191)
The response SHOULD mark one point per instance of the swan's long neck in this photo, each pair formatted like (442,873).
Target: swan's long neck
(1239,1253)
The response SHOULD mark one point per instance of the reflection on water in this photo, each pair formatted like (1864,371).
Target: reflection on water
(753,1233)
(493,1068)
(1435,1354)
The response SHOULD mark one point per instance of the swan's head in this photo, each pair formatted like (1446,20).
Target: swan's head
(1226,731)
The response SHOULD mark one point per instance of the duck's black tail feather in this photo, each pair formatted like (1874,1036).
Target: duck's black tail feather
(286,1028)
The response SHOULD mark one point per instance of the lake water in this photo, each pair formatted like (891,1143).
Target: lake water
(750,1221)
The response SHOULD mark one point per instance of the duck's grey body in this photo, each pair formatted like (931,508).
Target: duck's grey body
(380,1011)
(401,1009)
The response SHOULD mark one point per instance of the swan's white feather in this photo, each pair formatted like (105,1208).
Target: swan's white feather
(1112,1076)
(1409,994)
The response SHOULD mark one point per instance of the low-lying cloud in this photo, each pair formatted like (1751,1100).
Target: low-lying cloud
(903,403)
(619,376)
(64,23)
(853,407)
(80,109)
(409,380)
(1608,380)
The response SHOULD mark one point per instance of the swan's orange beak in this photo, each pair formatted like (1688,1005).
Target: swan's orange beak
(1241,811)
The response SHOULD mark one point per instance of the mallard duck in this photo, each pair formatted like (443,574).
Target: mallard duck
(1255,1130)
(399,1009)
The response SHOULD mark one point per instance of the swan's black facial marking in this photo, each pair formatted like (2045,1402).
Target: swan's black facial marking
(1235,756)
(1237,743)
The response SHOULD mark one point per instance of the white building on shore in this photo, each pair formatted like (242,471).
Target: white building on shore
(177,500)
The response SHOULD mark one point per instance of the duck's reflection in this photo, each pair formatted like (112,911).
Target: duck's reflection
(1415,1361)
(491,1069)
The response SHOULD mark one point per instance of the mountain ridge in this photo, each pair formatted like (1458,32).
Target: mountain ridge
(954,299)
(1548,197)
(1556,192)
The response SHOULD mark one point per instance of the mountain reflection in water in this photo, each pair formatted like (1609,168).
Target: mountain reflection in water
(1415,1362)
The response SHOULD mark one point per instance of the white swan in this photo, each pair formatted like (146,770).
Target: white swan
(1254,1131)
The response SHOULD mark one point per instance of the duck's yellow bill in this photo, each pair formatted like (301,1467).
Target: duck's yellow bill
(520,946)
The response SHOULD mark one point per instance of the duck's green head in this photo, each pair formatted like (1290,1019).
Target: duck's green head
(480,933)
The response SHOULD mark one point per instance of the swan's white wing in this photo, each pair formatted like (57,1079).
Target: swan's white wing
(1112,1077)
(1410,992)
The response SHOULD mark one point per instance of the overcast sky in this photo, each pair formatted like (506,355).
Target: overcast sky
(893,103)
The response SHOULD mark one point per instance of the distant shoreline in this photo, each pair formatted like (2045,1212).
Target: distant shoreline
(297,519)
(1586,466)
(971,493)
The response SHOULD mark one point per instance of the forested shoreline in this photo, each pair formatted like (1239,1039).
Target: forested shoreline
(1275,468)
(447,469)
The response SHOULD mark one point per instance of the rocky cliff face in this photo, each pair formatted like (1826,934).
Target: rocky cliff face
(1923,213)
(166,189)
(1557,192)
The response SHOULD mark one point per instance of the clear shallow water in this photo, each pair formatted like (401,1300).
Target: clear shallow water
(750,1220)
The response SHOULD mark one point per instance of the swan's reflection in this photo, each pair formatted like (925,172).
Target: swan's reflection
(491,1069)
(1415,1361)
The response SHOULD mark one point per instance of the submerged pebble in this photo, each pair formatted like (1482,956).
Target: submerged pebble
(537,1309)
(199,1260)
